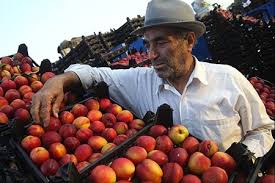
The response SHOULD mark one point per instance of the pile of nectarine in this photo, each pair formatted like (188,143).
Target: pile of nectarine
(80,135)
(168,155)
(266,92)
(19,81)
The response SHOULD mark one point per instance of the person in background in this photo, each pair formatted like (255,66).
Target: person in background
(213,101)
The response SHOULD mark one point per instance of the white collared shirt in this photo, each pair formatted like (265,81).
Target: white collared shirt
(218,102)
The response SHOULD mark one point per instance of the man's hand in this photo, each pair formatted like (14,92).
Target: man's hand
(49,98)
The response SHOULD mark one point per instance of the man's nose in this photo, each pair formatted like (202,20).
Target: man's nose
(153,55)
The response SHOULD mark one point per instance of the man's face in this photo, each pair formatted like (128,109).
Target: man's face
(167,51)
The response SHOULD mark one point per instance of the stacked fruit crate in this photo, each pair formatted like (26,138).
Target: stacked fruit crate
(245,43)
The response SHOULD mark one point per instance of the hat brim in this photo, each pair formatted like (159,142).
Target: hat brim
(195,26)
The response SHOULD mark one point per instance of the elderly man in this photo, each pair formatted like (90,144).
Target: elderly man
(213,101)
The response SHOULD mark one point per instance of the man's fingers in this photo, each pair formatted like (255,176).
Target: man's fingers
(45,111)
(35,109)
(56,104)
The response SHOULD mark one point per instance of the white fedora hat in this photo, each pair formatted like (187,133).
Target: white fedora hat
(171,13)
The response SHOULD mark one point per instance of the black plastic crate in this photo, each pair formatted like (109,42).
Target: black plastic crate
(262,164)
(68,172)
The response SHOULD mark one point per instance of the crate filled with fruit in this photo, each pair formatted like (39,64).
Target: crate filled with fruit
(163,152)
(84,132)
(19,81)
(266,91)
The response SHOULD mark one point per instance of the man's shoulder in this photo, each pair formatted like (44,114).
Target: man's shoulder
(222,69)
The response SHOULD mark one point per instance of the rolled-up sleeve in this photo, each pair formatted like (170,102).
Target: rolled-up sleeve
(85,73)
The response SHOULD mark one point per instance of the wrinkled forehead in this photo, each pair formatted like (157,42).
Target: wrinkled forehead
(152,33)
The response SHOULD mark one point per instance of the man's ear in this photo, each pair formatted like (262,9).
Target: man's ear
(191,39)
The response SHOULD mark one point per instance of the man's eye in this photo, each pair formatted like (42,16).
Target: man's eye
(162,42)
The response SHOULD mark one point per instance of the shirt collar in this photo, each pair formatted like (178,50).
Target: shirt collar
(199,73)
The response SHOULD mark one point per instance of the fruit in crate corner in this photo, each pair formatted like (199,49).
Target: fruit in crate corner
(81,165)
(149,170)
(104,103)
(158,156)
(50,137)
(97,127)
(79,110)
(92,104)
(20,81)
(198,163)
(208,147)
(81,122)
(102,173)
(114,109)
(190,179)
(267,179)
(36,86)
(97,142)
(83,152)
(109,134)
(54,124)
(83,134)
(124,168)
(136,154)
(67,130)
(178,133)
(147,142)
(49,167)
(11,95)
(94,157)
(108,119)
(240,178)
(66,117)
(30,142)
(120,127)
(107,148)
(39,155)
(164,144)
(178,155)
(137,124)
(125,116)
(47,75)
(71,143)
(119,139)
(172,173)
(68,158)
(214,174)
(157,130)
(191,144)
(224,161)
(3,118)
(22,115)
(94,115)
(36,130)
